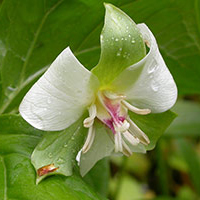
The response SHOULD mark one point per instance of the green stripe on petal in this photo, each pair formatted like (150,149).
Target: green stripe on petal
(121,45)
(102,146)
(148,83)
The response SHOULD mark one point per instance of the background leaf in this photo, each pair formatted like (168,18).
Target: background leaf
(188,121)
(17,175)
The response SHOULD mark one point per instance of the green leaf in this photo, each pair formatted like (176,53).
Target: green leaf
(98,177)
(153,125)
(188,121)
(33,33)
(59,149)
(121,45)
(17,175)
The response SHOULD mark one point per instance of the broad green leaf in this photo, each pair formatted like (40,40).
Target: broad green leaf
(98,177)
(153,125)
(188,121)
(59,149)
(121,45)
(17,175)
(33,33)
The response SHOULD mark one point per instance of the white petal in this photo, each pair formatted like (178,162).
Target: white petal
(102,146)
(148,83)
(61,95)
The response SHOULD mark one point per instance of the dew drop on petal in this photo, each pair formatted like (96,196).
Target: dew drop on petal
(50,155)
(132,41)
(116,39)
(60,161)
(154,86)
(48,100)
(118,54)
(152,66)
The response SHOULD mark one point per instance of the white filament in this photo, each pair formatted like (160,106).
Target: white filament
(131,139)
(134,109)
(89,139)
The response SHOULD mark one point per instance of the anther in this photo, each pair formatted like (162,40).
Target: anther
(88,122)
(113,96)
(131,139)
(134,109)
(137,132)
(126,150)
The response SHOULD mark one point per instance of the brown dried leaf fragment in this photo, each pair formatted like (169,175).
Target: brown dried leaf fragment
(46,169)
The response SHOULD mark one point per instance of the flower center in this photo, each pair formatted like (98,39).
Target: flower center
(112,110)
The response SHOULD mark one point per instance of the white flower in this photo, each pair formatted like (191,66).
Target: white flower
(67,89)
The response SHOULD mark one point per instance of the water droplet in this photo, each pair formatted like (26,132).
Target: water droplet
(132,41)
(152,66)
(60,161)
(125,39)
(154,86)
(112,38)
(129,35)
(122,38)
(45,109)
(118,54)
(120,49)
(11,88)
(116,39)
(49,101)
(127,27)
(65,145)
(125,54)
(50,155)
(127,31)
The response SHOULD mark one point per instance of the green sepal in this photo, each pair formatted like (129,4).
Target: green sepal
(60,149)
(153,125)
(121,45)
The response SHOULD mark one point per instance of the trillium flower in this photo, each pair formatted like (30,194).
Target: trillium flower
(125,79)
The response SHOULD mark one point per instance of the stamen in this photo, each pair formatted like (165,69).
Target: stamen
(138,133)
(122,127)
(126,150)
(131,139)
(89,140)
(118,142)
(88,122)
(113,96)
(134,109)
